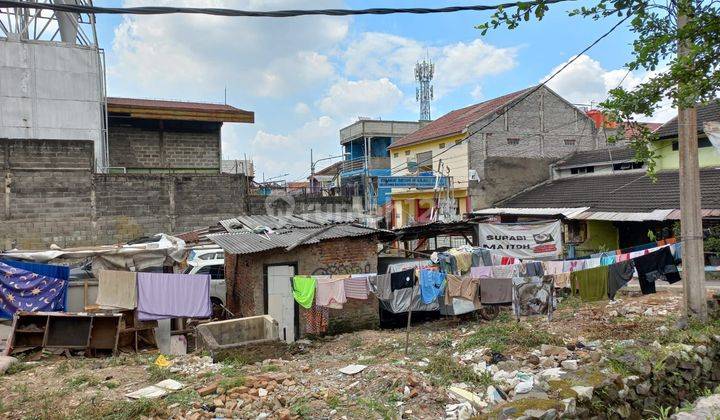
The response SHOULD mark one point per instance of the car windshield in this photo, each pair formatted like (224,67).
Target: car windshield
(188,269)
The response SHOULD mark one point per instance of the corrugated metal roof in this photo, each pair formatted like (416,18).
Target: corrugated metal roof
(614,216)
(248,242)
(568,212)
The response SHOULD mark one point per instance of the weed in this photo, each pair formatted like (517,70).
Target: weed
(355,342)
(111,384)
(447,370)
(230,383)
(333,402)
(270,368)
(301,408)
(662,413)
(498,336)
(83,378)
(619,367)
(158,373)
(572,302)
(62,368)
(376,407)
(17,368)
(128,410)
(183,398)
(230,370)
(445,342)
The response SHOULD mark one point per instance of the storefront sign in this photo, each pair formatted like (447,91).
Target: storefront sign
(410,182)
(531,240)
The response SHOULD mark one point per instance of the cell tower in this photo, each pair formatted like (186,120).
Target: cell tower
(424,71)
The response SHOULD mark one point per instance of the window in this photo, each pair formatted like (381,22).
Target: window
(442,145)
(424,161)
(217,272)
(513,142)
(626,166)
(396,154)
(407,153)
(701,143)
(575,231)
(582,170)
(569,142)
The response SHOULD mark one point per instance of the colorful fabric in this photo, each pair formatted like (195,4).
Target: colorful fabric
(591,284)
(658,265)
(562,280)
(22,290)
(481,272)
(532,268)
(552,267)
(481,257)
(432,285)
(495,291)
(304,290)
(592,263)
(573,265)
(453,288)
(608,259)
(117,289)
(163,296)
(463,259)
(317,320)
(619,275)
(533,296)
(330,291)
(356,287)
(506,271)
(61,272)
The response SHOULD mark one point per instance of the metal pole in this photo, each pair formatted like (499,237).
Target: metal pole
(312,171)
(690,207)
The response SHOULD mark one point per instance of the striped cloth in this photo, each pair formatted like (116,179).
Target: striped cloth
(356,287)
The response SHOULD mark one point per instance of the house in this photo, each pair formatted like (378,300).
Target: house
(490,150)
(154,136)
(259,267)
(327,180)
(616,204)
(366,157)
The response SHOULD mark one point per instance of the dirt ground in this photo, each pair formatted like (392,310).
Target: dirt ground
(306,382)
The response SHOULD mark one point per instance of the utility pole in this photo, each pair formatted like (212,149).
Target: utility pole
(690,207)
(312,171)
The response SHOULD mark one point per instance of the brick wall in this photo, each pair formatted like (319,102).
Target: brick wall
(50,194)
(245,275)
(513,152)
(144,147)
(260,204)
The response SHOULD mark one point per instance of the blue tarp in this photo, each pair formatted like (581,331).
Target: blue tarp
(61,272)
(27,291)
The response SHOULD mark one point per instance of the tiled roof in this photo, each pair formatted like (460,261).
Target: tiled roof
(152,108)
(705,113)
(179,105)
(615,155)
(626,192)
(454,122)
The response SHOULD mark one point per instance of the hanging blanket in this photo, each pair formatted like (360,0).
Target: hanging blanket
(22,290)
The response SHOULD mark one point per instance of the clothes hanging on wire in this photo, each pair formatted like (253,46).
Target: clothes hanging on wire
(304,290)
(356,287)
(506,271)
(463,259)
(117,289)
(533,296)
(432,285)
(402,279)
(330,291)
(655,266)
(163,296)
(531,268)
(619,274)
(481,272)
(590,284)
(495,291)
(317,319)
(481,257)
(552,267)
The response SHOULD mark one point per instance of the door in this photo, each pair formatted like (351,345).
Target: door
(281,303)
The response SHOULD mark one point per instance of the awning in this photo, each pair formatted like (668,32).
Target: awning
(613,216)
(569,212)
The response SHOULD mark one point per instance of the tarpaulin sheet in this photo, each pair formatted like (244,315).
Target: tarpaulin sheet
(55,271)
(522,240)
(27,291)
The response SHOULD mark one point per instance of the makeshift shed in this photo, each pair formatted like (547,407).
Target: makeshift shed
(259,268)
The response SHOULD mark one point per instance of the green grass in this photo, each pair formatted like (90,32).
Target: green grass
(499,335)
(445,370)
(270,368)
(333,402)
(378,408)
(301,408)
(82,379)
(185,398)
(233,382)
(17,368)
(130,410)
(157,373)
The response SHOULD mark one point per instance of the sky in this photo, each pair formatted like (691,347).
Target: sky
(306,78)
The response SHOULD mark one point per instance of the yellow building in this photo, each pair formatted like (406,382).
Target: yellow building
(666,148)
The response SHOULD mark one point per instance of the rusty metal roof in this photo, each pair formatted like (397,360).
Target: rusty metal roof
(178,110)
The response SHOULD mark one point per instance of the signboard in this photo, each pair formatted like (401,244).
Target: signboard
(519,240)
(410,182)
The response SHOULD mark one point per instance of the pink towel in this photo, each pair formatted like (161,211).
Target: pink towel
(356,287)
(481,272)
(330,291)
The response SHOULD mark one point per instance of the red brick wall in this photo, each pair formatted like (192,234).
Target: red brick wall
(245,284)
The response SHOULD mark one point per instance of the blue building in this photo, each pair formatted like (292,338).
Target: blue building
(365,146)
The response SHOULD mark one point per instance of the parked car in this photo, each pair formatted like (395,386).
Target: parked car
(206,255)
(218,289)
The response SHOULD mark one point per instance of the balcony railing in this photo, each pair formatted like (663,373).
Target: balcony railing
(359,163)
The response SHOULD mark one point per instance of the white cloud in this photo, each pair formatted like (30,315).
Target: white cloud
(477,93)
(301,108)
(264,57)
(363,98)
(376,55)
(586,82)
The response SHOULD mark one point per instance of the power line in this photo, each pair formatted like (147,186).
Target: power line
(531,91)
(158,10)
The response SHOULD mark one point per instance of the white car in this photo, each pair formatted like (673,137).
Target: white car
(218,290)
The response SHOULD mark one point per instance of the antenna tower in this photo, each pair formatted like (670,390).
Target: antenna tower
(424,71)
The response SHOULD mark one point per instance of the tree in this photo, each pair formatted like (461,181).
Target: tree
(685,80)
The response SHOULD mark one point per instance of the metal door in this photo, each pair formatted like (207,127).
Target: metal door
(281,303)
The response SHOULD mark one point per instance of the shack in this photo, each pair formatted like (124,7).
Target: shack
(263,253)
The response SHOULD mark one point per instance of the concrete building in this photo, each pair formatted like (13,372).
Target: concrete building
(490,150)
(365,146)
(152,136)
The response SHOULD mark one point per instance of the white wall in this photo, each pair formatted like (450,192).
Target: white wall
(50,90)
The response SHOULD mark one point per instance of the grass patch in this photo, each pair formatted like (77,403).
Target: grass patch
(378,408)
(82,379)
(446,370)
(498,336)
(157,373)
(184,398)
(230,383)
(270,368)
(18,367)
(355,342)
(301,408)
(129,410)
(333,402)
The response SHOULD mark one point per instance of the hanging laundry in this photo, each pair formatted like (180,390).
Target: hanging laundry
(317,319)
(506,271)
(572,265)
(448,263)
(531,268)
(496,259)
(356,287)
(622,257)
(533,296)
(562,280)
(453,288)
(470,291)
(481,257)
(552,267)
(619,274)
(508,261)
(608,259)
(402,279)
(590,284)
(60,272)
(432,285)
(163,296)
(481,272)
(117,289)
(22,290)
(330,291)
(304,290)
(394,268)
(591,263)
(380,286)
(495,291)
(463,259)
(676,251)
(658,265)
